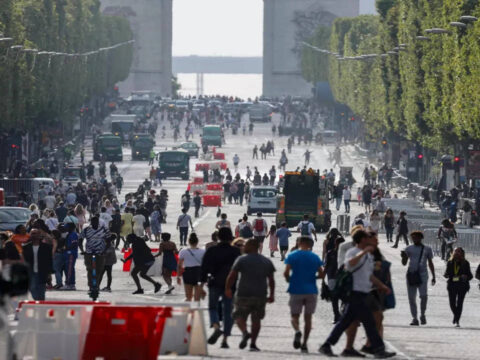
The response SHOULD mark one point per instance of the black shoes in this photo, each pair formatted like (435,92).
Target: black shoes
(423,320)
(367,350)
(245,338)
(214,337)
(157,287)
(304,349)
(254,348)
(414,322)
(352,353)
(297,339)
(139,291)
(384,354)
(326,350)
(224,345)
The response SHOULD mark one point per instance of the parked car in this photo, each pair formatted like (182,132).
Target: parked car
(11,217)
(191,147)
(263,199)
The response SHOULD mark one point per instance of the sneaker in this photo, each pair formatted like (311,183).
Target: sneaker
(139,291)
(297,339)
(384,354)
(326,349)
(457,325)
(170,289)
(423,320)
(157,287)
(304,349)
(243,343)
(67,288)
(224,345)
(394,246)
(214,337)
(57,287)
(107,289)
(414,322)
(367,350)
(254,348)
(352,353)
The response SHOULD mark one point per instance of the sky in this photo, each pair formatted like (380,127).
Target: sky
(224,27)
(218,27)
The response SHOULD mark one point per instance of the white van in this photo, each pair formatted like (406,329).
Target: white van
(263,199)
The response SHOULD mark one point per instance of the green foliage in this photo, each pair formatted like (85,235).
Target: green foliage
(315,64)
(38,90)
(429,93)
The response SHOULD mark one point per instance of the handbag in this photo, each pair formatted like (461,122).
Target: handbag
(325,292)
(413,277)
(390,302)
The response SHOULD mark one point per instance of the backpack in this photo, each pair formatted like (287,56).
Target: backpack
(359,222)
(259,225)
(304,229)
(344,283)
(246,232)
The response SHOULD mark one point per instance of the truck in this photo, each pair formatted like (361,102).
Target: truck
(27,187)
(123,125)
(108,146)
(212,135)
(141,144)
(72,174)
(304,192)
(174,163)
(260,112)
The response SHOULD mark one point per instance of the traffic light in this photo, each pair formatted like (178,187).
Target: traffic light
(384,143)
(352,118)
(419,160)
(456,163)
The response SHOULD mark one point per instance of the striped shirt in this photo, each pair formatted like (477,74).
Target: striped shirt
(95,239)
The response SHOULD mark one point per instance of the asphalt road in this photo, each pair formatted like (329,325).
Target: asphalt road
(437,340)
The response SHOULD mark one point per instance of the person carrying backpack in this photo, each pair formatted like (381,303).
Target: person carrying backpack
(245,228)
(306,228)
(260,228)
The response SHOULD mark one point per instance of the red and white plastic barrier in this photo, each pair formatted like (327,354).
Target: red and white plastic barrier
(122,331)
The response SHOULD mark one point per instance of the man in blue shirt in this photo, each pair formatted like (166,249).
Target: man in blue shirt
(70,256)
(283,234)
(306,268)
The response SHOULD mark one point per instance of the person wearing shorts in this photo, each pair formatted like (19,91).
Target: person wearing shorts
(189,265)
(302,271)
(260,228)
(251,296)
(283,234)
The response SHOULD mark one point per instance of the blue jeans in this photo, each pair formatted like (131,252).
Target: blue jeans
(183,235)
(338,202)
(58,266)
(37,286)
(70,260)
(347,205)
(216,295)
(357,309)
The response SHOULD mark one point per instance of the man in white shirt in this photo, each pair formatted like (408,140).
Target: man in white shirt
(105,218)
(306,228)
(260,229)
(359,262)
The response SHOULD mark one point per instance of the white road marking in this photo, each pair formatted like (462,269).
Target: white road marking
(399,353)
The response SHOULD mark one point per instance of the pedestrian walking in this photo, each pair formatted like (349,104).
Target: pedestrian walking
(283,234)
(359,262)
(260,228)
(331,270)
(223,222)
(417,256)
(38,256)
(389,224)
(447,235)
(458,275)
(197,203)
(189,267)
(143,260)
(139,224)
(168,249)
(110,260)
(182,226)
(347,197)
(70,255)
(306,228)
(402,229)
(216,266)
(251,296)
(375,221)
(273,240)
(156,223)
(127,225)
(303,268)
(95,243)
